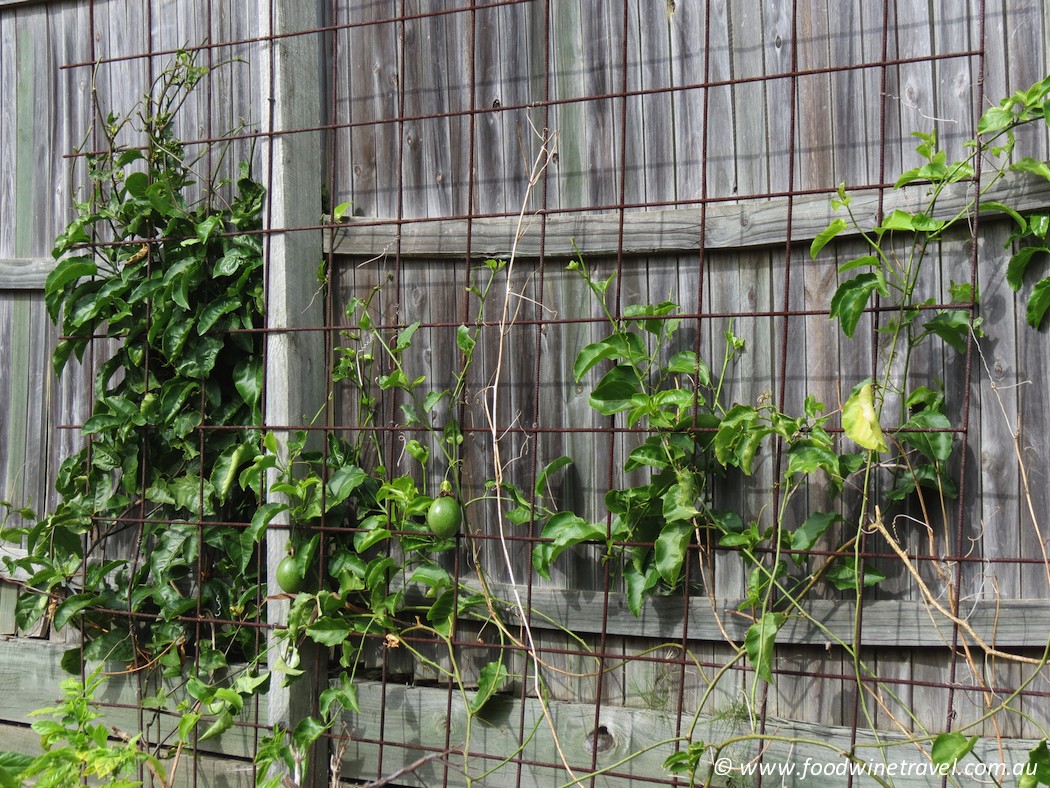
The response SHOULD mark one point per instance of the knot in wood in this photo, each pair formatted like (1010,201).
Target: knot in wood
(599,740)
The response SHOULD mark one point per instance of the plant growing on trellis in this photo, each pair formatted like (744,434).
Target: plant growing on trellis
(177,280)
(695,436)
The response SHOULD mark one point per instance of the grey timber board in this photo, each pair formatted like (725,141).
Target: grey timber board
(739,225)
(640,740)
(201,772)
(1009,623)
(30,677)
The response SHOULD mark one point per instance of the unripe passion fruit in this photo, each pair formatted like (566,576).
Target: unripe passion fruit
(288,577)
(444,517)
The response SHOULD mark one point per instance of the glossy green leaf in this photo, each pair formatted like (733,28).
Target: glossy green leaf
(843,575)
(995,119)
(824,237)
(812,528)
(999,207)
(950,748)
(867,261)
(565,529)
(306,732)
(68,271)
(759,643)
(671,549)
(807,457)
(926,475)
(465,340)
(222,724)
(679,501)
(1034,166)
(490,679)
(591,355)
(898,220)
(687,362)
(638,584)
(935,445)
(248,378)
(953,326)
(211,314)
(851,299)
(1019,262)
(341,697)
(652,453)
(738,438)
(614,391)
(404,337)
(72,605)
(328,631)
(227,468)
(549,470)
(1037,769)
(442,613)
(1038,303)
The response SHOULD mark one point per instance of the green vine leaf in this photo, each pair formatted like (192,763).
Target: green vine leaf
(932,442)
(1037,770)
(759,642)
(565,529)
(328,631)
(1034,166)
(738,438)
(994,120)
(615,390)
(954,327)
(825,237)
(1038,303)
(490,679)
(860,421)
(670,551)
(843,574)
(851,299)
(950,748)
(1019,262)
(812,528)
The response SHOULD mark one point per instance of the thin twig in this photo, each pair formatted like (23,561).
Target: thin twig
(416,764)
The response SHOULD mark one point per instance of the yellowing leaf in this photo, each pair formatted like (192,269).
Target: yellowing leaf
(860,421)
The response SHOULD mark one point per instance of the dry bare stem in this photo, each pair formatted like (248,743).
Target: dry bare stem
(931,599)
(539,165)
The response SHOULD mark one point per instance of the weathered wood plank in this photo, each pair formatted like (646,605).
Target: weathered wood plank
(202,772)
(295,361)
(30,673)
(642,733)
(8,598)
(747,224)
(1008,623)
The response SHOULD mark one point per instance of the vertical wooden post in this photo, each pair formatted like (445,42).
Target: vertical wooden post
(294,360)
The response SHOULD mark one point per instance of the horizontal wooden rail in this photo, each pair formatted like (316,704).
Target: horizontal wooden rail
(738,225)
(634,742)
(1007,623)
(25,273)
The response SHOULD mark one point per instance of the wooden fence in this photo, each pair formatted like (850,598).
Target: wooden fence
(695,149)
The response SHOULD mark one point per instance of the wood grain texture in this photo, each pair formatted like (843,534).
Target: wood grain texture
(1013,624)
(645,733)
(295,361)
(406,139)
(743,225)
(203,771)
